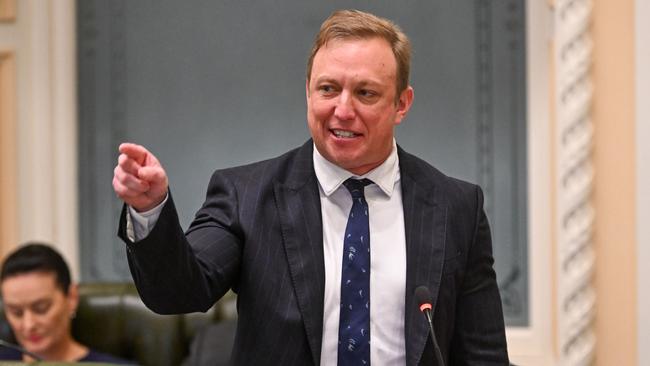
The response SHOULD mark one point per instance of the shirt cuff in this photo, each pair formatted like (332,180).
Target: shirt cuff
(140,224)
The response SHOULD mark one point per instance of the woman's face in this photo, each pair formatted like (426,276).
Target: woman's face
(38,311)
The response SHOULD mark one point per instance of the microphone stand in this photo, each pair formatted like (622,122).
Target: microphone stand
(436,348)
(20,349)
(424,300)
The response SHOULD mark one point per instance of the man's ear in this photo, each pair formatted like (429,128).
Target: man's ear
(404,104)
(307,88)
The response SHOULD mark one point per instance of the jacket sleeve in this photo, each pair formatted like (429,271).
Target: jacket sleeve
(177,272)
(479,332)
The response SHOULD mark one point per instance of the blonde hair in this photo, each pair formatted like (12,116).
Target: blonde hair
(355,24)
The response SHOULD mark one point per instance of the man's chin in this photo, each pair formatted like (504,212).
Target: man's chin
(345,162)
(355,167)
(352,161)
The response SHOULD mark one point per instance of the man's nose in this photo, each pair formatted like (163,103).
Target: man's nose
(345,107)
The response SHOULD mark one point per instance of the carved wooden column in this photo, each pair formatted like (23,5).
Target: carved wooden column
(574,174)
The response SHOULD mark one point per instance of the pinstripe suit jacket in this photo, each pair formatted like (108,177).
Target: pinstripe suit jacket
(259,232)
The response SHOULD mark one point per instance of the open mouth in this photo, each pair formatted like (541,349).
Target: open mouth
(344,134)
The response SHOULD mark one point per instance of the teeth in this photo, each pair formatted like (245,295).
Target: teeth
(341,133)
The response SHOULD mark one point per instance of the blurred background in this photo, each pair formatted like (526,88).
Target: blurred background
(540,102)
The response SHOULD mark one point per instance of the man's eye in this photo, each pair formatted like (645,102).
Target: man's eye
(366,93)
(16,313)
(326,89)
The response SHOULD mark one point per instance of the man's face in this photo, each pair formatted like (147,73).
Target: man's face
(351,104)
(38,311)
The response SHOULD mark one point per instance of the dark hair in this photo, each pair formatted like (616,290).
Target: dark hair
(37,257)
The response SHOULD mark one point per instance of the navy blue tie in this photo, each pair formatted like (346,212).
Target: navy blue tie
(354,321)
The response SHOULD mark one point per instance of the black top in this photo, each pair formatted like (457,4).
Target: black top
(8,354)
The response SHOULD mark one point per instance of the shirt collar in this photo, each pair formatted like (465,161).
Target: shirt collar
(330,176)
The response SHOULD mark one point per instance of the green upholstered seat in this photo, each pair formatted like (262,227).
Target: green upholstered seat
(111,318)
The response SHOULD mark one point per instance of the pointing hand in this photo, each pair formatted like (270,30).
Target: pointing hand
(139,179)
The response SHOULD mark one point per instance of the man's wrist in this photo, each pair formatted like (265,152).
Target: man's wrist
(144,222)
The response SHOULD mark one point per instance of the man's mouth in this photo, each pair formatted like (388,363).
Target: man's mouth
(344,134)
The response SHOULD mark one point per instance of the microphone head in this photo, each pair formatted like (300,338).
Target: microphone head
(423,297)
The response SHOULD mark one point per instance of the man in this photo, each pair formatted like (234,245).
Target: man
(325,267)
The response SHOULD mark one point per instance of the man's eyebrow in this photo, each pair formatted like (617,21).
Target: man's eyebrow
(323,79)
(361,83)
(364,83)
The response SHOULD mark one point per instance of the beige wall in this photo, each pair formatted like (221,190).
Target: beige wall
(614,189)
(8,127)
(8,170)
(41,39)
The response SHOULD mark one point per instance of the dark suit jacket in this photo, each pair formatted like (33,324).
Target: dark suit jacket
(259,232)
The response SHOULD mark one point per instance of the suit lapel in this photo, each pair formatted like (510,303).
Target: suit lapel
(299,210)
(425,222)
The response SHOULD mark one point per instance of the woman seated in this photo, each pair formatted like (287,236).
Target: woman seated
(40,302)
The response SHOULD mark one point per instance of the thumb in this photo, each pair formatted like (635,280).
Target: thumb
(153,174)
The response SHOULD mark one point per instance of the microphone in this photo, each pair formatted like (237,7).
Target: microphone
(423,297)
(20,349)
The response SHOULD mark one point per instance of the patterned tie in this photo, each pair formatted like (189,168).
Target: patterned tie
(354,323)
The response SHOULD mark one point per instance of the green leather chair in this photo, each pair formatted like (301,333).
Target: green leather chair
(111,318)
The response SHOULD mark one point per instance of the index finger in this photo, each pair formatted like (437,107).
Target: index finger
(134,151)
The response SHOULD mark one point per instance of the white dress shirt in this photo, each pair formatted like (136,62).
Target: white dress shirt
(387,254)
(387,257)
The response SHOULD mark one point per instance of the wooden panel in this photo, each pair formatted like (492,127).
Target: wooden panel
(8,171)
(7,10)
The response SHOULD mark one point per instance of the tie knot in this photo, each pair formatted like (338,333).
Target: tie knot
(355,186)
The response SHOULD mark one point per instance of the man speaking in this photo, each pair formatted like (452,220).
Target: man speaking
(326,244)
